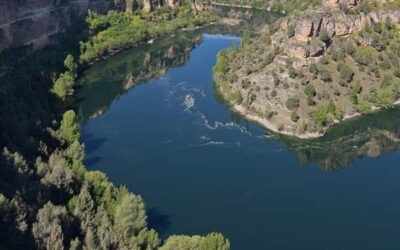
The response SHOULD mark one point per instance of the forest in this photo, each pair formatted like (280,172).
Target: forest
(48,199)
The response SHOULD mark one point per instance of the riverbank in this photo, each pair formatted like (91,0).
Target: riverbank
(126,30)
(272,127)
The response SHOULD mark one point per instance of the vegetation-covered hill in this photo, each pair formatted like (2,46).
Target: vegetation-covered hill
(315,68)
(48,200)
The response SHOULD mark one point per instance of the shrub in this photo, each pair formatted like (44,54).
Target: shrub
(292,103)
(365,55)
(324,60)
(325,75)
(313,69)
(346,73)
(294,116)
(324,36)
(364,107)
(236,97)
(310,90)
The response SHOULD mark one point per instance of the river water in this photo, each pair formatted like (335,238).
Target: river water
(152,121)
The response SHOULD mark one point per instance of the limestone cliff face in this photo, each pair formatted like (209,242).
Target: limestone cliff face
(33,22)
(303,45)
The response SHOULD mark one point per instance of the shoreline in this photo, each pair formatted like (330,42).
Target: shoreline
(271,127)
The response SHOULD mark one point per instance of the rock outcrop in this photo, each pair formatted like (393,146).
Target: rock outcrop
(307,29)
(34,22)
(341,24)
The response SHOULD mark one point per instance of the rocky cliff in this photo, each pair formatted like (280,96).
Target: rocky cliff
(33,22)
(316,68)
(334,22)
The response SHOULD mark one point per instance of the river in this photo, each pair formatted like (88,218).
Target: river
(152,122)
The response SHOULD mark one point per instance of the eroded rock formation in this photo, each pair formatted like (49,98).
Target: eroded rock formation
(34,22)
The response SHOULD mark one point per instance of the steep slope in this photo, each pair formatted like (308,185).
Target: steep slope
(316,68)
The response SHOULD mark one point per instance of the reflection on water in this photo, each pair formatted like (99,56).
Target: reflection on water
(372,135)
(201,168)
(111,78)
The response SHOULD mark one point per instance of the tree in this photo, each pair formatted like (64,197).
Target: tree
(346,73)
(324,36)
(292,103)
(214,241)
(69,129)
(365,55)
(325,75)
(63,85)
(48,228)
(310,90)
(130,217)
(58,173)
(70,64)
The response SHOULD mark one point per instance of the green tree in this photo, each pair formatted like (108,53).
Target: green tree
(69,129)
(346,73)
(130,217)
(63,85)
(70,64)
(214,241)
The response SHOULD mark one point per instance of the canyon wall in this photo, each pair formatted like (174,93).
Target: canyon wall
(34,22)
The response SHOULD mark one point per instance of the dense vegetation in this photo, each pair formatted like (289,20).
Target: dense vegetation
(48,200)
(119,30)
(357,74)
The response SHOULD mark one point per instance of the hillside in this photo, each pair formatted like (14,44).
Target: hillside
(48,199)
(316,68)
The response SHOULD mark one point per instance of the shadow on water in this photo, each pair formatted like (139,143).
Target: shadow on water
(371,135)
(158,221)
(107,80)
(91,142)
(91,161)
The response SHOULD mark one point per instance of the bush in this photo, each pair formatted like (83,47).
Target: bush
(313,69)
(292,103)
(325,75)
(236,97)
(324,60)
(310,90)
(337,55)
(273,93)
(324,36)
(364,107)
(365,55)
(294,116)
(346,73)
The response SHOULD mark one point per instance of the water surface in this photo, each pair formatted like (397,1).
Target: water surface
(151,121)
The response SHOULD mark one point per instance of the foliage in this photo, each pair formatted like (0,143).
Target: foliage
(292,103)
(63,84)
(119,30)
(69,128)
